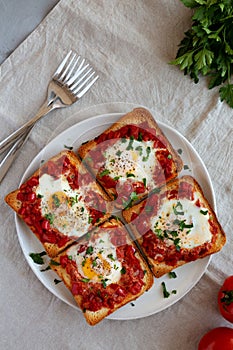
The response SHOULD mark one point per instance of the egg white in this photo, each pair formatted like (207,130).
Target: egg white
(189,238)
(123,159)
(63,206)
(98,263)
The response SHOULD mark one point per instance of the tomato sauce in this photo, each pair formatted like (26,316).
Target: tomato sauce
(96,295)
(30,209)
(142,132)
(155,247)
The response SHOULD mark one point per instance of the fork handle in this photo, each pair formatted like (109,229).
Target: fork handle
(12,153)
(13,137)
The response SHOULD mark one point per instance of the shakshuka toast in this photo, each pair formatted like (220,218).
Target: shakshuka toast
(175,225)
(131,157)
(60,202)
(103,271)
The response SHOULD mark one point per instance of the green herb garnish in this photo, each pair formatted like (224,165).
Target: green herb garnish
(166,294)
(207,47)
(145,158)
(37,257)
(89,250)
(130,145)
(50,217)
(204,212)
(172,274)
(104,172)
(68,147)
(56,201)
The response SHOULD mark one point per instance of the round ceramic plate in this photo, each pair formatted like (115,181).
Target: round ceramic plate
(152,301)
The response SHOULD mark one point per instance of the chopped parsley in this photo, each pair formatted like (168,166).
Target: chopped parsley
(172,274)
(104,172)
(68,147)
(178,209)
(56,201)
(167,294)
(130,175)
(130,145)
(118,153)
(145,158)
(37,257)
(89,250)
(140,138)
(50,217)
(204,212)
(56,281)
(123,270)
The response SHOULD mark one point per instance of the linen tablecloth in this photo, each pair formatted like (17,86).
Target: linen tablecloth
(130,44)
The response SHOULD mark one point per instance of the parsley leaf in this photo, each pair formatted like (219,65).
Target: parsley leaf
(207,47)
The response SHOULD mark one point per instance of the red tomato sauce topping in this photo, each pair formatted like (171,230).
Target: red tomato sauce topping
(163,171)
(96,295)
(30,209)
(154,246)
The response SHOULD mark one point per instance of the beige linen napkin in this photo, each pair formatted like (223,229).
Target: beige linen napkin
(130,44)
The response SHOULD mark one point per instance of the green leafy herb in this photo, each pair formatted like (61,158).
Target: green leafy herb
(178,209)
(207,47)
(68,147)
(85,280)
(56,200)
(50,217)
(53,262)
(104,172)
(46,269)
(118,153)
(56,281)
(140,138)
(166,294)
(89,250)
(172,274)
(130,175)
(37,257)
(145,158)
(104,284)
(130,145)
(123,270)
(204,212)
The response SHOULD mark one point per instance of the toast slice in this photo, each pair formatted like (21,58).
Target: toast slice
(176,225)
(60,202)
(131,157)
(103,271)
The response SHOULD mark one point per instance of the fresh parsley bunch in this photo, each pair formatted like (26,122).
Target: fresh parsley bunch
(207,48)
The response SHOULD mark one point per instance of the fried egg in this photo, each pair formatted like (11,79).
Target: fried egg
(183,223)
(62,206)
(129,158)
(98,263)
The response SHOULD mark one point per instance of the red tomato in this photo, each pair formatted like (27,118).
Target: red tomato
(220,338)
(225,299)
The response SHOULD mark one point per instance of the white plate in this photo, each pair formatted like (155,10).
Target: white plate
(187,275)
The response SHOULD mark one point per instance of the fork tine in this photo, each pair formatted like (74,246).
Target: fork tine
(87,87)
(73,69)
(76,75)
(79,93)
(67,68)
(62,65)
(76,83)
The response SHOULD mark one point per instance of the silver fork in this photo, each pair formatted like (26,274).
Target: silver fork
(72,79)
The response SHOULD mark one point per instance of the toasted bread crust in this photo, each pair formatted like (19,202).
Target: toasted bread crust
(53,249)
(93,317)
(160,268)
(135,117)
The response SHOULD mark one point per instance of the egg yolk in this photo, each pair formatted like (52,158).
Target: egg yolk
(94,268)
